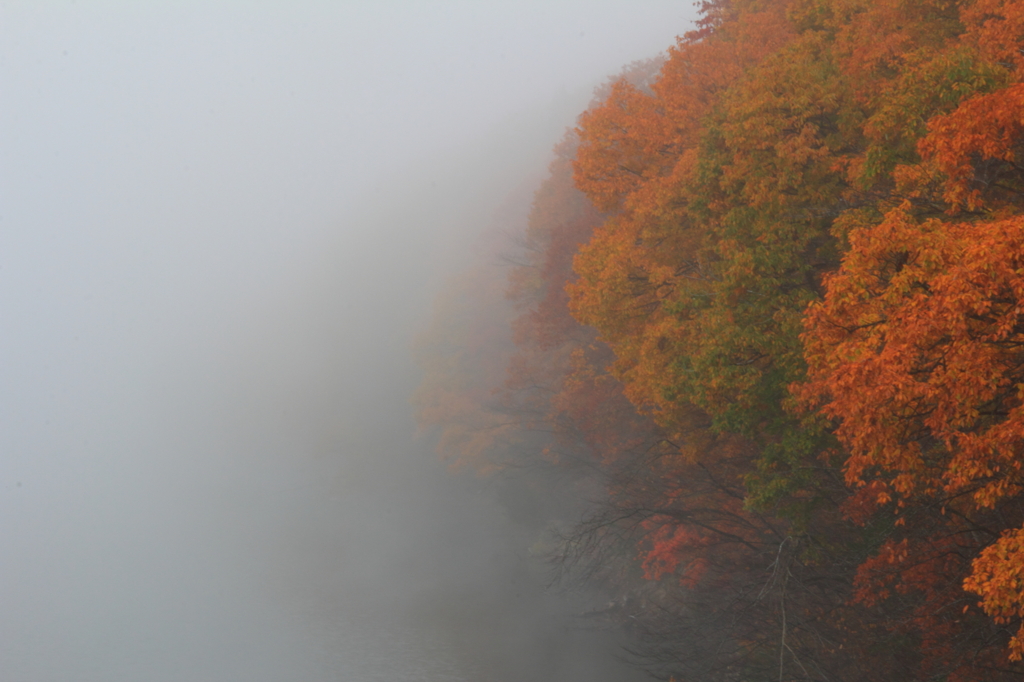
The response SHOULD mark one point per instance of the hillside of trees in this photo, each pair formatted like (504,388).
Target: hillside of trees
(767,317)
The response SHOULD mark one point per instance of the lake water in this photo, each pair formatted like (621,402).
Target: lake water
(233,565)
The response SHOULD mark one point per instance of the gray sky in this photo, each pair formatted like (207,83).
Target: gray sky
(220,222)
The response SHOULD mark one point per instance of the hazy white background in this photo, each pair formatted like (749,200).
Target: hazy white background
(220,223)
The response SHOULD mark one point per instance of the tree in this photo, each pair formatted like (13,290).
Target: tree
(778,322)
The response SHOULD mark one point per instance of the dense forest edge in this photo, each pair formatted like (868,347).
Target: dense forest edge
(759,353)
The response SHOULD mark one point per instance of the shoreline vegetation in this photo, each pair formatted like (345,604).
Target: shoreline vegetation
(757,358)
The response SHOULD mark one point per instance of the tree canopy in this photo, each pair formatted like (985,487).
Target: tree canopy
(773,295)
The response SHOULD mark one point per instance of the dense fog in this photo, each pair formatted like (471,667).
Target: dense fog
(221,226)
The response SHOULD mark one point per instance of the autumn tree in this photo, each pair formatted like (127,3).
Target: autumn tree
(914,351)
(727,212)
(768,301)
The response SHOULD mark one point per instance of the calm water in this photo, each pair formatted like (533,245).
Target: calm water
(229,565)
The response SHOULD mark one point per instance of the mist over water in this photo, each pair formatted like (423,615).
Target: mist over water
(220,231)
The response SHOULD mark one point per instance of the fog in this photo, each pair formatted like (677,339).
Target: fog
(221,225)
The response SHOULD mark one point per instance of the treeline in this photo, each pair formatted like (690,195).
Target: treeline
(771,300)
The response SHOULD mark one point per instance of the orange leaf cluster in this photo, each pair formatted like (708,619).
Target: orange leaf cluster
(925,319)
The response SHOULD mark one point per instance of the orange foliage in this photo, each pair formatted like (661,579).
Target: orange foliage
(998,576)
(926,320)
(924,574)
(918,351)
(995,28)
(986,127)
